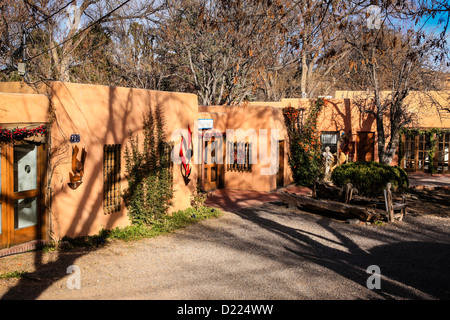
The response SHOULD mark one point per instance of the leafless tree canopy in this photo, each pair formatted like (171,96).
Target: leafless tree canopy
(227,51)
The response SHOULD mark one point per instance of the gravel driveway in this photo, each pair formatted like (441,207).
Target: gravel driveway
(264,252)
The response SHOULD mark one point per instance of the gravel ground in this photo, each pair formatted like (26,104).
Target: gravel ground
(264,252)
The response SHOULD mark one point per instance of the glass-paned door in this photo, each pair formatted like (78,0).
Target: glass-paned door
(22,166)
(442,153)
(423,159)
(409,160)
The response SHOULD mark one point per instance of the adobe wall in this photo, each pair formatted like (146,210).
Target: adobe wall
(344,115)
(105,115)
(100,115)
(23,108)
(251,117)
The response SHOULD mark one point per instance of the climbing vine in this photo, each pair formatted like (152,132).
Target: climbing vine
(305,157)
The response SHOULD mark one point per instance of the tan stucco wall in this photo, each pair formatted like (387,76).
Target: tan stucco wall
(427,107)
(105,115)
(251,117)
(286,102)
(100,115)
(343,115)
(23,108)
(22,87)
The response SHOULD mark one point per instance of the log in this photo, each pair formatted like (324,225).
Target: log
(342,209)
(325,190)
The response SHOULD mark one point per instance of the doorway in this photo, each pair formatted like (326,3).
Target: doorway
(213,169)
(21,181)
(365,146)
(280,173)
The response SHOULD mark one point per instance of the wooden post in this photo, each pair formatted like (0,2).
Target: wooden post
(388,201)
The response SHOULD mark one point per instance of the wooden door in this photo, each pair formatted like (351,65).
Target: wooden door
(280,173)
(22,169)
(365,146)
(213,168)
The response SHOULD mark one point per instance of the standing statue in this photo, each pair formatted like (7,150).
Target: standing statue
(328,159)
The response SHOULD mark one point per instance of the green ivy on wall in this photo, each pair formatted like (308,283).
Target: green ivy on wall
(305,156)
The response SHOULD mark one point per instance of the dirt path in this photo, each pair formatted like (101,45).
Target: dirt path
(263,252)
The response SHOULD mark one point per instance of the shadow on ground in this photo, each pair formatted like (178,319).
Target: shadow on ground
(412,263)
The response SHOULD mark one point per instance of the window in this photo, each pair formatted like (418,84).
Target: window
(111,178)
(330,139)
(168,163)
(239,155)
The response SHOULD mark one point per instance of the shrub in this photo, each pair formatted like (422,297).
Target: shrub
(305,156)
(370,178)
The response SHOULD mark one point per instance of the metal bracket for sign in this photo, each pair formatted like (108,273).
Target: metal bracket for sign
(74,138)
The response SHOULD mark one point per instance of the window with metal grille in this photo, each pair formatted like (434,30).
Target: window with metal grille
(239,154)
(111,178)
(168,163)
(330,139)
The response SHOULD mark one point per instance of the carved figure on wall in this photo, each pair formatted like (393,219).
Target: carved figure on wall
(185,165)
(77,168)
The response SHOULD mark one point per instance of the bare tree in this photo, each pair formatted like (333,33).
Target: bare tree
(398,61)
(57,31)
(217,48)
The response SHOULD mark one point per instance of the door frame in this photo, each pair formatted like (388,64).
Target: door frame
(10,236)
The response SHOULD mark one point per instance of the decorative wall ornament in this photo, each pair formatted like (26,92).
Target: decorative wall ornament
(77,168)
(185,165)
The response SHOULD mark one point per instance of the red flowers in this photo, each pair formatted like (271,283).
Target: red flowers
(21,133)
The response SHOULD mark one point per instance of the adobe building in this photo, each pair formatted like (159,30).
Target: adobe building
(66,177)
(41,195)
(430,125)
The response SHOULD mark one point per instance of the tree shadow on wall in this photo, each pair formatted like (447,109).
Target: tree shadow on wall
(33,284)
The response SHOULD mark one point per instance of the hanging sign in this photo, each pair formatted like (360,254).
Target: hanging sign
(205,124)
